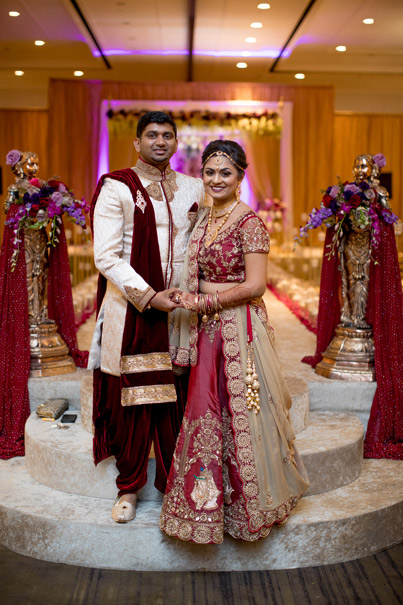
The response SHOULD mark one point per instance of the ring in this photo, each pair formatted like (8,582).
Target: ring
(177,298)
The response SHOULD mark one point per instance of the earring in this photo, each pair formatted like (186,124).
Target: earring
(238,193)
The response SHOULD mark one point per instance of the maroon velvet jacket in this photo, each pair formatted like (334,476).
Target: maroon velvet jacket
(145,332)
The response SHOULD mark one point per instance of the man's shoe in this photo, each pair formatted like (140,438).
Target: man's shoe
(123,511)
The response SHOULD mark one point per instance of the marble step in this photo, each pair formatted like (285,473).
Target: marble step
(77,388)
(342,396)
(67,386)
(298,388)
(331,448)
(350,522)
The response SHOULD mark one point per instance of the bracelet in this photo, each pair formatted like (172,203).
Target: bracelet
(149,302)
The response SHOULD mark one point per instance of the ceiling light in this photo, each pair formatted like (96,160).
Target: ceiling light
(39,42)
(13,14)
(78,73)
(19,73)
(263,6)
(256,25)
(242,65)
(300,76)
(250,40)
(368,21)
(246,53)
(341,48)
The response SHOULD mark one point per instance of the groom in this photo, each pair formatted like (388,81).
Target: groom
(141,221)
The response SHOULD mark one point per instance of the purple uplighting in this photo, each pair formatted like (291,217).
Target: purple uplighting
(268,52)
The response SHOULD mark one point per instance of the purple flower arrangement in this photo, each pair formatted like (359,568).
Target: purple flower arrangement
(349,205)
(43,203)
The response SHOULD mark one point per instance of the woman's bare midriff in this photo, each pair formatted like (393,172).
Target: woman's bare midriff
(207,287)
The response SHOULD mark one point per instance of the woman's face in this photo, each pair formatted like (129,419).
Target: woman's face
(220,178)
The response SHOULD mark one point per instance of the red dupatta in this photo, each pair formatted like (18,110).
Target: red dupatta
(384,437)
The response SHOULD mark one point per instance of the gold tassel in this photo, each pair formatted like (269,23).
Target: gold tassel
(252,382)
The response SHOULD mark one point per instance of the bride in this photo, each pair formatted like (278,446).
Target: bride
(235,468)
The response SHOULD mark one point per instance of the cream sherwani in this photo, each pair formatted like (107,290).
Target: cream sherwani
(113,233)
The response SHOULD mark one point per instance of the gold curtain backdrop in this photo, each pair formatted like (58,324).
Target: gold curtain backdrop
(26,130)
(66,136)
(74,106)
(260,136)
(263,154)
(368,133)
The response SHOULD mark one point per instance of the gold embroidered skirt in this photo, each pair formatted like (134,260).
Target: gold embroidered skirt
(233,471)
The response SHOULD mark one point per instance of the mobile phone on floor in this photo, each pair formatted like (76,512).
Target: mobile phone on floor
(68,418)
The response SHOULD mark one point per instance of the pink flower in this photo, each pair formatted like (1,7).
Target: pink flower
(379,160)
(353,188)
(13,157)
(57,198)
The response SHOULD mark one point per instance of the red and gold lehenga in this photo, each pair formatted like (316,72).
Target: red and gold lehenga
(234,470)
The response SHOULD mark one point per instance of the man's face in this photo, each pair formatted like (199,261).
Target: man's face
(157,143)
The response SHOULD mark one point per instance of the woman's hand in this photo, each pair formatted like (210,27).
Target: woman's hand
(187,301)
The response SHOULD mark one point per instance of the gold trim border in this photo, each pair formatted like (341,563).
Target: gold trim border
(139,298)
(158,393)
(148,362)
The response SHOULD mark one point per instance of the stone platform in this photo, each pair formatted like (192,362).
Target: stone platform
(350,522)
(55,506)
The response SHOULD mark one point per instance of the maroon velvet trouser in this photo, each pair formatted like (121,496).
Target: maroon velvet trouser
(132,429)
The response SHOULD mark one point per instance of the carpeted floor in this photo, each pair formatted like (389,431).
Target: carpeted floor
(373,580)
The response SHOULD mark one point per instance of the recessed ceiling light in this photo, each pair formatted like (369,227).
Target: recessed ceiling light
(78,73)
(39,42)
(341,48)
(300,76)
(263,6)
(368,21)
(242,65)
(250,40)
(13,14)
(256,25)
(19,72)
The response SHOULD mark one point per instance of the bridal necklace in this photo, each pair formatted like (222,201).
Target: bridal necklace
(212,234)
(219,211)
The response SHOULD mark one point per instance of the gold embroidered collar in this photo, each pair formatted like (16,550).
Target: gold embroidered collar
(166,177)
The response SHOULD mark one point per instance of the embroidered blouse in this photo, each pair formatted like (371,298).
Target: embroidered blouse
(224,260)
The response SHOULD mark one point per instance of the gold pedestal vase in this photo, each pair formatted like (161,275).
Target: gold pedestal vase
(49,352)
(350,356)
(351,353)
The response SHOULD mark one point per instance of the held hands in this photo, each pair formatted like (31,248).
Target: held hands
(185,300)
(166,300)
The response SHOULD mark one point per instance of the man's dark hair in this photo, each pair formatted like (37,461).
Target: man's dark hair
(158,117)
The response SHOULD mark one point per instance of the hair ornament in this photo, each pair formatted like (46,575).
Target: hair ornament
(218,160)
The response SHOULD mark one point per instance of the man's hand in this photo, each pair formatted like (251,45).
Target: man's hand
(166,300)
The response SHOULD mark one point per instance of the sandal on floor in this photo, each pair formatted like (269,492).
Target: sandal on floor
(123,511)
